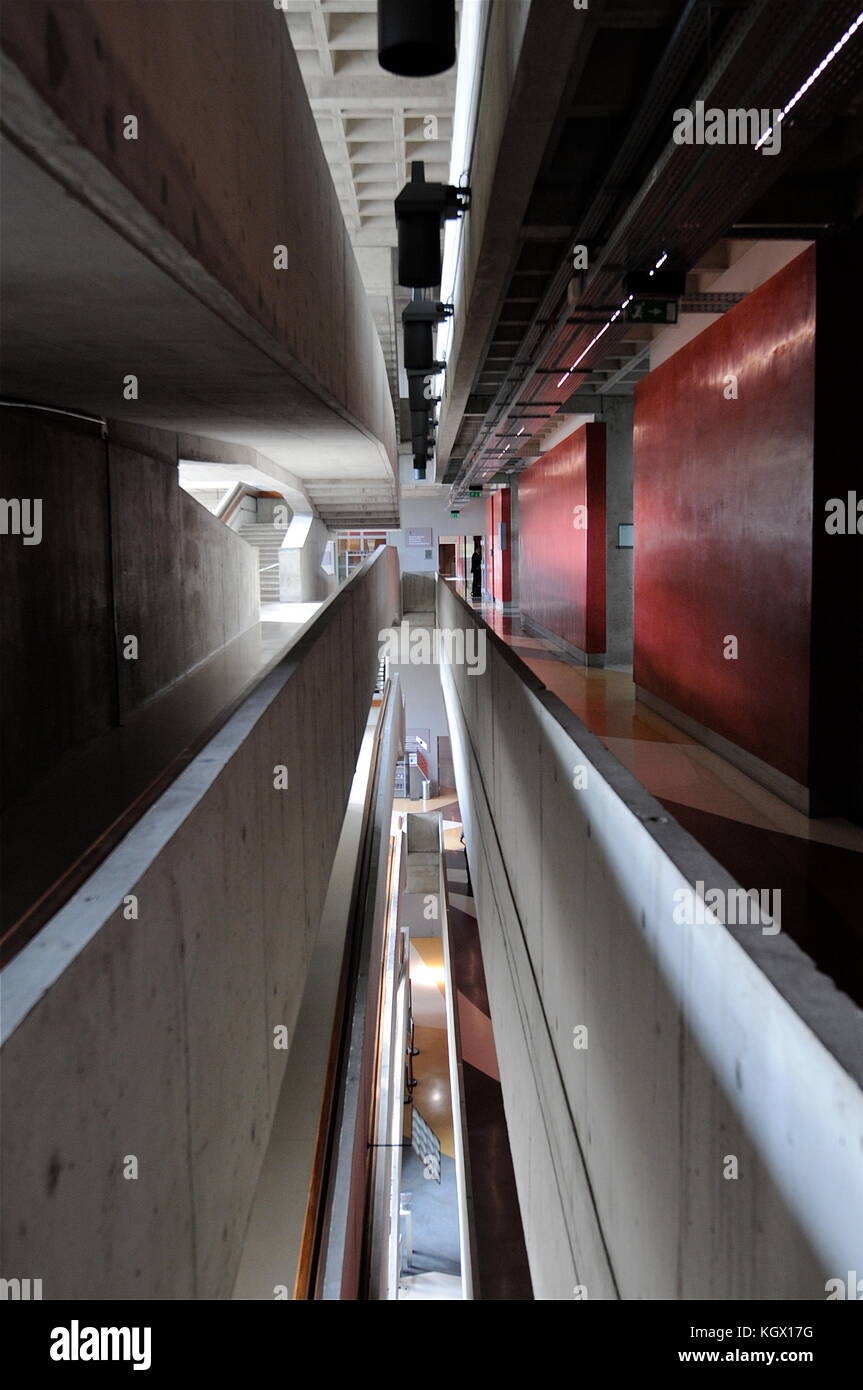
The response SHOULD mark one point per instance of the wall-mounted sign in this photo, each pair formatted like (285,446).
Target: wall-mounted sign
(651,311)
(419,535)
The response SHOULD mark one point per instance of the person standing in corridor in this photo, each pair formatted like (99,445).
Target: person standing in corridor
(476,568)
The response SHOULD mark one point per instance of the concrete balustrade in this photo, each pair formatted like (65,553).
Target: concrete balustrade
(684,1101)
(142,1055)
(125,554)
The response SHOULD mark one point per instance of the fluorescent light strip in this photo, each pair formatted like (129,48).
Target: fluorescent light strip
(662,259)
(813,76)
(801,92)
(473,23)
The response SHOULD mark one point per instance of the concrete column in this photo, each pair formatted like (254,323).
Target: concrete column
(513,540)
(617,414)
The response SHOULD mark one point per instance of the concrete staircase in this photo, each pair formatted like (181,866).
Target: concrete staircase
(267,540)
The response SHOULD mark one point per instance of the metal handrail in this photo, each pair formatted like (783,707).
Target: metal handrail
(316,1255)
(228,504)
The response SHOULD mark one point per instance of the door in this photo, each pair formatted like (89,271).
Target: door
(446,559)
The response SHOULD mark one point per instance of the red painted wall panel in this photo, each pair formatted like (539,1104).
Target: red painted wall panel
(723,522)
(562,564)
(498,563)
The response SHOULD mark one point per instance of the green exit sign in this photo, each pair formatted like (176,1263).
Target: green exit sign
(652,311)
(475,492)
(454,513)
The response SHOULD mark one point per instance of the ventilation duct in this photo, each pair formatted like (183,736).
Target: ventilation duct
(419,320)
(421,209)
(421,431)
(421,390)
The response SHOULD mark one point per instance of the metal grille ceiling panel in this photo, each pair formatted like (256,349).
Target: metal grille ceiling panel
(692,195)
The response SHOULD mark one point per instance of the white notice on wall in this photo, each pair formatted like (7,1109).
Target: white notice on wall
(419,536)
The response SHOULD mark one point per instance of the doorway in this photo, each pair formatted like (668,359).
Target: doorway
(446,559)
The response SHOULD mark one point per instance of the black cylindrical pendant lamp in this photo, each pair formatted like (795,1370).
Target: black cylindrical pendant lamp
(416,38)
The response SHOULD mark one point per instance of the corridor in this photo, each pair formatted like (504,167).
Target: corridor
(363,940)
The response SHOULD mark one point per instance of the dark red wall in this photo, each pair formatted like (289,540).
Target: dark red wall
(562,569)
(723,522)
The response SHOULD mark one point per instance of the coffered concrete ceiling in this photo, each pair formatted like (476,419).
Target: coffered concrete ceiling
(372,125)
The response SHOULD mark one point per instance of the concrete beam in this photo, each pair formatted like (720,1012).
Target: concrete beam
(162,259)
(531,49)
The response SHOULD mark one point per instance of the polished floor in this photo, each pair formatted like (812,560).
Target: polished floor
(816,863)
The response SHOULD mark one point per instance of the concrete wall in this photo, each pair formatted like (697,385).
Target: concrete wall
(153,1038)
(184,583)
(424,706)
(617,418)
(418,592)
(124,552)
(301,578)
(433,512)
(703,1041)
(56,618)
